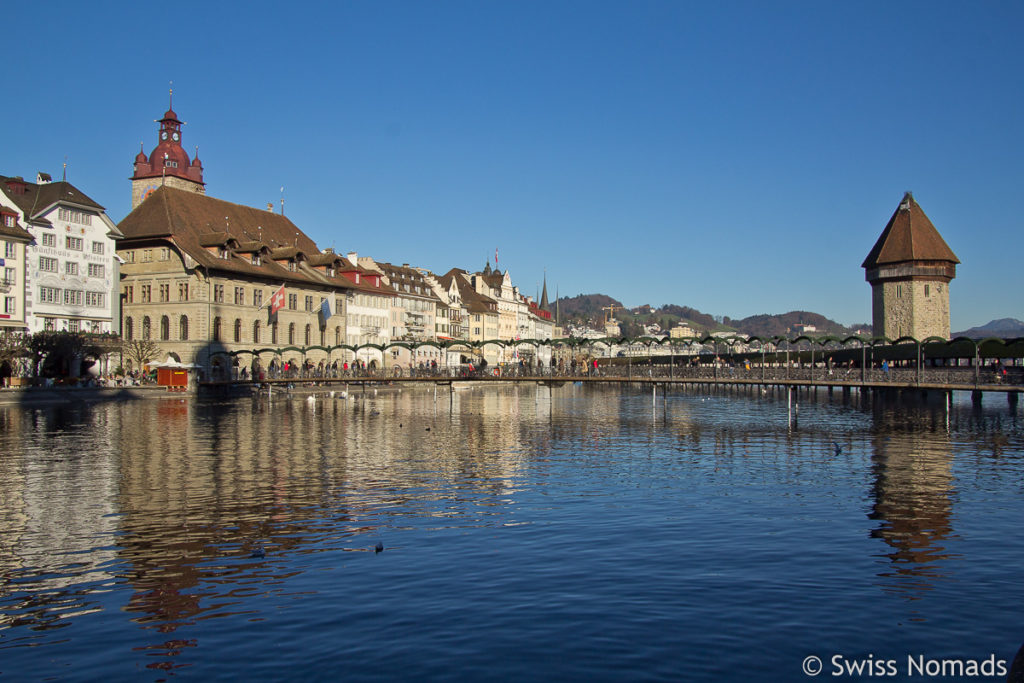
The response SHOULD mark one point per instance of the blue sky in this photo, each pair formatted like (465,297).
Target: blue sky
(737,157)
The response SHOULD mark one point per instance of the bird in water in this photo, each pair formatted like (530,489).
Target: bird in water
(379,548)
(838,449)
(258,552)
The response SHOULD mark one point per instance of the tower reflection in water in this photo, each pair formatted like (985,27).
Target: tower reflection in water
(913,493)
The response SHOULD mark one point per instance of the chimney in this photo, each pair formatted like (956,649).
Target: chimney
(353,257)
(270,207)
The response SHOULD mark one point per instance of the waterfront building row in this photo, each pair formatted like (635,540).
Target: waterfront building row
(227,286)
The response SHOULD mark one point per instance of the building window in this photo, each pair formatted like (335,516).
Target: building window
(47,264)
(48,325)
(73,297)
(927,290)
(10,250)
(337,335)
(309,303)
(256,260)
(49,239)
(9,305)
(74,325)
(291,333)
(128,294)
(323,336)
(307,335)
(147,256)
(256,332)
(72,216)
(128,329)
(165,292)
(165,253)
(293,302)
(10,275)
(165,328)
(96,270)
(98,247)
(899,291)
(273,333)
(74,243)
(94,299)
(146,331)
(238,330)
(71,268)
(216,329)
(9,220)
(239,296)
(218,293)
(49,295)
(257,298)
(182,291)
(183,328)
(147,293)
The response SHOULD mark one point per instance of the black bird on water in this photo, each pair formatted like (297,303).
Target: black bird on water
(837,447)
(379,548)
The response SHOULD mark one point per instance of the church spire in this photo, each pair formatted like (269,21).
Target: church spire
(544,292)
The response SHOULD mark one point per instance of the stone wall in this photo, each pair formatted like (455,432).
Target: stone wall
(202,309)
(915,308)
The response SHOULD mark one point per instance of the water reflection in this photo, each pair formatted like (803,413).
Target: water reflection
(167,517)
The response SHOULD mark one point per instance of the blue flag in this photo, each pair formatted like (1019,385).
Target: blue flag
(325,312)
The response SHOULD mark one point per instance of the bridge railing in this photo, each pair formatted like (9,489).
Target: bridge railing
(901,375)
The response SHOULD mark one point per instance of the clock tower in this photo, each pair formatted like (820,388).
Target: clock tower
(168,163)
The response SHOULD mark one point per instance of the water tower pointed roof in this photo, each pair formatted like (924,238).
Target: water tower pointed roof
(909,236)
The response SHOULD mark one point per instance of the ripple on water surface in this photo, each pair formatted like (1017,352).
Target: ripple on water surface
(525,534)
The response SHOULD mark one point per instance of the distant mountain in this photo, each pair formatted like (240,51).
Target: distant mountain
(1004,327)
(591,309)
(587,307)
(786,324)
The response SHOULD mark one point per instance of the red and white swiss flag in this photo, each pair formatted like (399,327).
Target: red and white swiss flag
(277,301)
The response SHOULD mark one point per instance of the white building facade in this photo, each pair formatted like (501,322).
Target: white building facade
(72,272)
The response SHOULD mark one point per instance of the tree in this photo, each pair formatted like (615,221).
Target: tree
(55,354)
(140,352)
(12,347)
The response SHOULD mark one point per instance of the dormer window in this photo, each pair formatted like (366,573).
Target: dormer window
(292,266)
(357,278)
(223,252)
(330,272)
(256,260)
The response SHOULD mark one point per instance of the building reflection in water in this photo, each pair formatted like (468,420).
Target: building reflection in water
(213,491)
(56,498)
(913,491)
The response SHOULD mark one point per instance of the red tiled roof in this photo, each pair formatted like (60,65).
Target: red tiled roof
(193,221)
(909,236)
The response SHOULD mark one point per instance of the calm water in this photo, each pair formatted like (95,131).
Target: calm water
(583,535)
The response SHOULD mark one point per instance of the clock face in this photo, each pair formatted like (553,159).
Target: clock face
(175,136)
(148,191)
(163,135)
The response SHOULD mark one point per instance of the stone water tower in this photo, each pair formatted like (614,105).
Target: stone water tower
(910,268)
